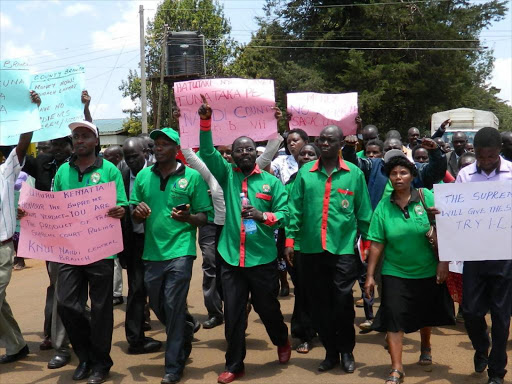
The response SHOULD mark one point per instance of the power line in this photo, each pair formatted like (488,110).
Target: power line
(369,48)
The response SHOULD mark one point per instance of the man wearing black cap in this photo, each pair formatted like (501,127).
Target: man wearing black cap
(173,201)
(92,340)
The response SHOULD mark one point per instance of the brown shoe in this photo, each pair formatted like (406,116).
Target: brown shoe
(46,344)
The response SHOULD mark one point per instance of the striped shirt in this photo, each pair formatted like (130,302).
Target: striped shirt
(9,172)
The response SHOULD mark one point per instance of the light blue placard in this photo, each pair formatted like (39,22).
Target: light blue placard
(17,112)
(61,104)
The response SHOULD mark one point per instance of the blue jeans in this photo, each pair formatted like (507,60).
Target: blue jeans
(167,283)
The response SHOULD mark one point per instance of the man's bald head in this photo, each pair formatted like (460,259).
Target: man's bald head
(114,154)
(134,153)
(370,132)
(413,134)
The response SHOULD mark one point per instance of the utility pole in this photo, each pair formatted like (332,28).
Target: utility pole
(162,80)
(143,96)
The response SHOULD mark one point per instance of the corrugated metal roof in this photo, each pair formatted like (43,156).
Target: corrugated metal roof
(109,126)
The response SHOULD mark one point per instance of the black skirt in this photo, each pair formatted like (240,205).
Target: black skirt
(408,305)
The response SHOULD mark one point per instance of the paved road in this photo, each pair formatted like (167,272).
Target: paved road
(452,351)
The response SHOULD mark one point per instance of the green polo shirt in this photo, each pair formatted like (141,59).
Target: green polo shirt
(102,171)
(265,192)
(361,154)
(166,238)
(407,253)
(327,211)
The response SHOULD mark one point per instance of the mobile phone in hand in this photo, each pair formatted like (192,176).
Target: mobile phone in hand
(181,207)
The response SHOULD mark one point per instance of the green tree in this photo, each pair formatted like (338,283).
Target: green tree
(204,16)
(406,60)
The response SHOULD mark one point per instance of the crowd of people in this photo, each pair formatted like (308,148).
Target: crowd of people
(317,209)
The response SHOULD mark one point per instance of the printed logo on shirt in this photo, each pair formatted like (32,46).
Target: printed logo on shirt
(419,210)
(95,177)
(182,183)
(345,203)
(265,188)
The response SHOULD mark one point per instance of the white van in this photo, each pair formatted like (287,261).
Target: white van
(466,120)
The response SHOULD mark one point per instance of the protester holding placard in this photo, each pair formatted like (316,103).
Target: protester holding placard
(43,169)
(92,340)
(173,201)
(487,285)
(247,245)
(414,296)
(10,334)
(329,203)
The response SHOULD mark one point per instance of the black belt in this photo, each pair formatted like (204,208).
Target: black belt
(6,241)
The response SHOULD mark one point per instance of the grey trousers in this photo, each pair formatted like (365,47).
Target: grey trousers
(59,336)
(118,279)
(10,333)
(212,300)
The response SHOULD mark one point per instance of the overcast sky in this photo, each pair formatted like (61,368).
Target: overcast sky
(103,35)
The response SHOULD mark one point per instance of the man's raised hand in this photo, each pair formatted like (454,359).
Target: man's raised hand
(205,111)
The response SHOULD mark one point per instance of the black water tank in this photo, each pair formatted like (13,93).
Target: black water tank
(185,54)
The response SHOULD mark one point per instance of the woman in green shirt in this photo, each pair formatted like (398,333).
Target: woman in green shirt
(414,295)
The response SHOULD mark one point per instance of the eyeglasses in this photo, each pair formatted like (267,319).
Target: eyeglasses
(242,150)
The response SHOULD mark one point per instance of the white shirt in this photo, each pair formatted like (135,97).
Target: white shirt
(472,173)
(284,167)
(9,172)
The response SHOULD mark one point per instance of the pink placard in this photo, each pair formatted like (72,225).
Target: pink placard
(314,111)
(69,227)
(240,107)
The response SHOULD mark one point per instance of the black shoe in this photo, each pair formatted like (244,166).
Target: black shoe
(197,325)
(348,363)
(97,377)
(82,372)
(170,378)
(118,300)
(17,356)
(480,359)
(58,361)
(212,322)
(284,291)
(150,345)
(327,365)
(495,380)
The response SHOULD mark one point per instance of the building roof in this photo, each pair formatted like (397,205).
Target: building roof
(109,126)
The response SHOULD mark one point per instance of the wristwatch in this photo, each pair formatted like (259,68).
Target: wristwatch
(264,217)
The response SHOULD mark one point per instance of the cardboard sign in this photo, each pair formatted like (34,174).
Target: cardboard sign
(17,112)
(240,108)
(475,221)
(61,104)
(312,112)
(70,227)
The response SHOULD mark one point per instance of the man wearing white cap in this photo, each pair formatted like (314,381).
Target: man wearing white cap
(91,341)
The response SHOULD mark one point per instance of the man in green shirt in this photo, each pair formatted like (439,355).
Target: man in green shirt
(92,340)
(173,201)
(329,203)
(370,132)
(248,255)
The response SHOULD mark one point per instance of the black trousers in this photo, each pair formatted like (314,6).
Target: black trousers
(136,300)
(91,341)
(302,317)
(332,278)
(262,282)
(487,285)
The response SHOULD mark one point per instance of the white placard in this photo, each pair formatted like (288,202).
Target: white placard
(475,221)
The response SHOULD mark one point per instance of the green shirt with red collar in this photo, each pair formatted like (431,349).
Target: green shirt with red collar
(166,238)
(266,194)
(102,171)
(327,211)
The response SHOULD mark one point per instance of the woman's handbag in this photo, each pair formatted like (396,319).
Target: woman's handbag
(431,234)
